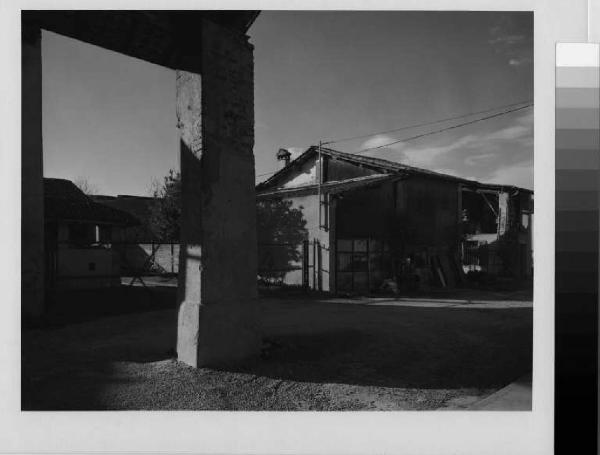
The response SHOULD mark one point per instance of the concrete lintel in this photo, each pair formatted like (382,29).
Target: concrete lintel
(166,38)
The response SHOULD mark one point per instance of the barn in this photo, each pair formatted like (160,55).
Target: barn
(340,222)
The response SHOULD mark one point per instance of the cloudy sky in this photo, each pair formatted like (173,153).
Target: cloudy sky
(318,76)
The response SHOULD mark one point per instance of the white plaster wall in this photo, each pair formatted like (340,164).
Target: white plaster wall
(306,175)
(309,207)
(73,269)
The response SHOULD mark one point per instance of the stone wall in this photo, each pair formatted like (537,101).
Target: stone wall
(87,268)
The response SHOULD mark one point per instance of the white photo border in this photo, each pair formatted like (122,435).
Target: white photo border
(410,432)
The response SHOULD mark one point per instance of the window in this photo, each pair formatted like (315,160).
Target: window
(344,245)
(324,208)
(362,264)
(360,246)
(104,234)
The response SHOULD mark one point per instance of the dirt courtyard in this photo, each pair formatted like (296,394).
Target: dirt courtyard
(319,354)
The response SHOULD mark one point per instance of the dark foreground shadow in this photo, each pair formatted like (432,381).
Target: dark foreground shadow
(410,347)
(95,365)
(522,291)
(77,306)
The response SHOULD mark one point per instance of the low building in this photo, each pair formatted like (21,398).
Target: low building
(342,222)
(142,252)
(139,207)
(79,234)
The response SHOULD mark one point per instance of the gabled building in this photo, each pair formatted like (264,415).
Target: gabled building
(141,249)
(139,207)
(366,220)
(79,234)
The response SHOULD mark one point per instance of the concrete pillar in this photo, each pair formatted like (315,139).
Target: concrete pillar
(217,295)
(32,181)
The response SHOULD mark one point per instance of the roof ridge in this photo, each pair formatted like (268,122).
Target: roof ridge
(394,164)
(376,162)
(391,165)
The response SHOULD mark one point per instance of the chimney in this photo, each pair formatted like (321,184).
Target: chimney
(283,158)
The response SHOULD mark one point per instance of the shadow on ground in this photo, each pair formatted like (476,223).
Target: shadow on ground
(76,306)
(397,346)
(513,291)
(312,350)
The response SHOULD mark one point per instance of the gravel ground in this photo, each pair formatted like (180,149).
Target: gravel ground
(319,355)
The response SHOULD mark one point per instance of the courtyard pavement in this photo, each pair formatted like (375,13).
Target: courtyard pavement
(514,397)
(318,354)
(434,303)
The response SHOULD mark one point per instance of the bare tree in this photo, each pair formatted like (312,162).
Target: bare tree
(166,210)
(84,185)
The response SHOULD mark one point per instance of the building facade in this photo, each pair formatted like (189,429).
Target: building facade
(79,238)
(362,222)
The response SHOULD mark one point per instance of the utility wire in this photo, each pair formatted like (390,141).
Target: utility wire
(425,124)
(417,125)
(443,129)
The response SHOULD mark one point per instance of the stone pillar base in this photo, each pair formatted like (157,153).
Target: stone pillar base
(218,335)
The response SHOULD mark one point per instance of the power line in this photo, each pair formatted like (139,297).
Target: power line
(417,125)
(443,129)
(425,124)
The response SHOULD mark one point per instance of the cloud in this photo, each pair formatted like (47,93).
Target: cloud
(414,156)
(512,132)
(382,140)
(520,174)
(492,153)
(526,118)
(519,61)
(427,156)
(478,159)
(504,40)
(512,38)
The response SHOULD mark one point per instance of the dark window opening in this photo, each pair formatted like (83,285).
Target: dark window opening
(81,234)
(362,264)
(479,213)
(105,234)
